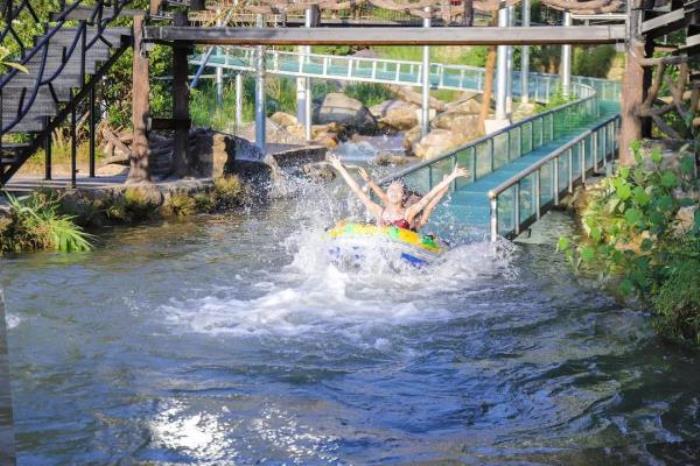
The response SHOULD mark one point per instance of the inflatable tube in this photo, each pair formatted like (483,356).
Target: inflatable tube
(351,239)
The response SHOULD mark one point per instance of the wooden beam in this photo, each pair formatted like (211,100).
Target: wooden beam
(664,24)
(139,171)
(390,36)
(85,13)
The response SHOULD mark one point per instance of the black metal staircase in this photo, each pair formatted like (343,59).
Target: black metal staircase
(64,65)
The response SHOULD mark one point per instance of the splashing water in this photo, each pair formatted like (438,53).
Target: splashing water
(237,340)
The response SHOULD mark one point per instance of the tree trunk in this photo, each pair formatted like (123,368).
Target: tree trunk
(138,161)
(632,98)
(468,13)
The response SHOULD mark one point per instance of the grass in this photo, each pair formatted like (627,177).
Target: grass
(36,223)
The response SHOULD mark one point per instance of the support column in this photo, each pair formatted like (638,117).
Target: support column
(525,57)
(219,69)
(48,169)
(632,87)
(138,160)
(468,13)
(304,96)
(566,61)
(181,103)
(501,69)
(509,74)
(425,79)
(239,101)
(7,428)
(91,128)
(260,92)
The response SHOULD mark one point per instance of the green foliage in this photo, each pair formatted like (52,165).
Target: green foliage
(631,237)
(593,61)
(179,205)
(228,191)
(36,223)
(368,93)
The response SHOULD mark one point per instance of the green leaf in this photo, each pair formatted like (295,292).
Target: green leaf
(587,253)
(669,179)
(564,244)
(686,202)
(688,165)
(626,287)
(640,196)
(696,221)
(633,216)
(623,189)
(665,204)
(596,234)
(647,244)
(656,155)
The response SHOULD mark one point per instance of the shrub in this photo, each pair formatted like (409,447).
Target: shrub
(35,223)
(228,191)
(630,237)
(179,205)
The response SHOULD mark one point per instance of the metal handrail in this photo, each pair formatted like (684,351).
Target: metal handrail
(482,139)
(504,186)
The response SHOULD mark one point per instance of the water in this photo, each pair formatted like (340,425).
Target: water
(232,340)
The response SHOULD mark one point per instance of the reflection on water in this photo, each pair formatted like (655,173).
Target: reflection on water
(232,339)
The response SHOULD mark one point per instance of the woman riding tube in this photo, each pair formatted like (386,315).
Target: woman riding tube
(394,209)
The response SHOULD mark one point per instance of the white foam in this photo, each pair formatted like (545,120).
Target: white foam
(12,321)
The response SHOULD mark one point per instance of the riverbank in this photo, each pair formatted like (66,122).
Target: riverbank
(640,232)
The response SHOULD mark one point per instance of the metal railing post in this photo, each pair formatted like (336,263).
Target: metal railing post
(571,170)
(494,218)
(538,190)
(582,163)
(516,208)
(555,184)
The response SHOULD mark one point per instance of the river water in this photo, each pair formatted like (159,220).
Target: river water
(233,340)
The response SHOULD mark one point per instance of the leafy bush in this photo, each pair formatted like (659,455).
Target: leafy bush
(228,191)
(631,238)
(593,61)
(35,223)
(179,205)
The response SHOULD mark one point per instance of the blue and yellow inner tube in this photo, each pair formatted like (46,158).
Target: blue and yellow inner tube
(415,248)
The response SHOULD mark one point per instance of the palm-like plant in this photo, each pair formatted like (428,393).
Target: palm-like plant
(4,63)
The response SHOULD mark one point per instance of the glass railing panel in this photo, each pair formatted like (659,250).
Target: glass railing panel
(465,158)
(500,150)
(440,169)
(506,212)
(527,197)
(483,158)
(515,143)
(562,163)
(546,183)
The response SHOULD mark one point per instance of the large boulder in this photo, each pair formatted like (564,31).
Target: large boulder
(396,114)
(211,153)
(346,111)
(437,142)
(466,125)
(284,120)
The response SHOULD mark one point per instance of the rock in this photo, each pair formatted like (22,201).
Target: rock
(671,151)
(211,153)
(346,111)
(685,220)
(396,114)
(325,135)
(410,138)
(274,133)
(320,172)
(465,125)
(437,142)
(284,120)
(471,104)
(112,170)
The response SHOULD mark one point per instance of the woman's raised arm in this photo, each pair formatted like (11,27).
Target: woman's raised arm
(435,194)
(374,208)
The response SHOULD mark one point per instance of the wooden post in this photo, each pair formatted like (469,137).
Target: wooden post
(138,159)
(181,102)
(7,431)
(155,6)
(632,84)
(468,13)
